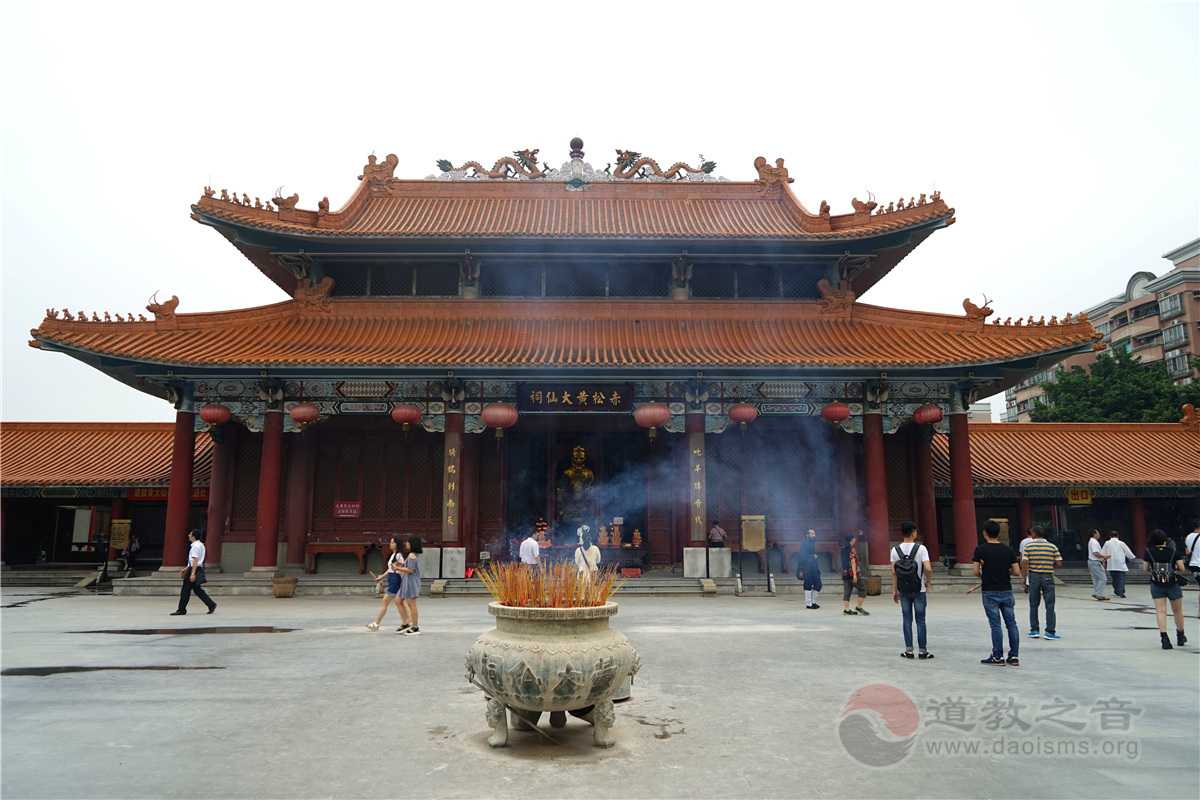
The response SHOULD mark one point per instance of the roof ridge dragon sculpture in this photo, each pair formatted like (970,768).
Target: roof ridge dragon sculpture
(522,163)
(632,164)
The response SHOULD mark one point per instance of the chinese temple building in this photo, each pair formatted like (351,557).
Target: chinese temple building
(660,347)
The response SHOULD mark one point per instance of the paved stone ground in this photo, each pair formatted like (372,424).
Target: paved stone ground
(737,698)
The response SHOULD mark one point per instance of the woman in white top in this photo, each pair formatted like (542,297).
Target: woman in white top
(587,554)
(1119,556)
(391,592)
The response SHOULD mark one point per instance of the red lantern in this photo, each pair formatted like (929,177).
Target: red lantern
(836,412)
(215,414)
(305,414)
(652,416)
(499,416)
(406,416)
(743,414)
(928,414)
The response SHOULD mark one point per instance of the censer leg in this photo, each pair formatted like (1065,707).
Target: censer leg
(498,722)
(558,719)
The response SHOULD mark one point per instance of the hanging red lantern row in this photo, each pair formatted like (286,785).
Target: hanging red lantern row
(304,414)
(499,416)
(836,412)
(652,416)
(405,415)
(215,414)
(743,414)
(928,414)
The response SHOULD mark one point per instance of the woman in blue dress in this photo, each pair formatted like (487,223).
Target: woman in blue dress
(393,577)
(410,586)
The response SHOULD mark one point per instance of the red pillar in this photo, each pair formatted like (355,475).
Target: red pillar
(876,485)
(926,504)
(298,492)
(1024,517)
(966,536)
(220,492)
(266,521)
(179,491)
(850,502)
(1137,512)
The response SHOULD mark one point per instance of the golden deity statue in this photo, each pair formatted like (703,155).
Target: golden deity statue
(576,505)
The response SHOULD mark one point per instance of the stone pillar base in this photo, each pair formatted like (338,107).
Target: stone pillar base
(291,570)
(261,572)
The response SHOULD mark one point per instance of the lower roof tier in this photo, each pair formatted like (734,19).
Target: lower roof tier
(118,454)
(1083,454)
(366,333)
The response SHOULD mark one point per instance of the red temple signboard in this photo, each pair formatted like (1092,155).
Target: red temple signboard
(347,509)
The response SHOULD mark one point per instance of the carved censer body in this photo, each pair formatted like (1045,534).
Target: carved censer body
(558,660)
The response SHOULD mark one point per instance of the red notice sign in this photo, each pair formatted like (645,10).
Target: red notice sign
(347,509)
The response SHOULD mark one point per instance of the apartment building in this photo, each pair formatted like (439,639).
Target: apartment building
(1153,319)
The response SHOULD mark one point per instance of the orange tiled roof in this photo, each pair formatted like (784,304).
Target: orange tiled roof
(363,332)
(122,454)
(384,206)
(1086,454)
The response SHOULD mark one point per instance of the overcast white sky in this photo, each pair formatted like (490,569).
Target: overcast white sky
(1066,134)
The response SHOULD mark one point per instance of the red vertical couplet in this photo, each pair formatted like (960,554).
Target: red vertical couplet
(179,491)
(926,505)
(697,478)
(452,479)
(220,491)
(298,492)
(1024,517)
(876,481)
(1137,513)
(966,535)
(266,523)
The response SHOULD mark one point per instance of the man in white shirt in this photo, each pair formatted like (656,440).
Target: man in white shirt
(1119,556)
(1191,552)
(1096,559)
(911,597)
(193,576)
(530,552)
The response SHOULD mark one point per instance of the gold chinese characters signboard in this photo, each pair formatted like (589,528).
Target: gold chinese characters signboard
(118,534)
(569,398)
(1079,497)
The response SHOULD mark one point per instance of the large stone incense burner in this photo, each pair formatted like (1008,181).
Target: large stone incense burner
(556,660)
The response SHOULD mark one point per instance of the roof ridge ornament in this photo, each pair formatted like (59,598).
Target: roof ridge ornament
(521,164)
(632,165)
(769,176)
(374,172)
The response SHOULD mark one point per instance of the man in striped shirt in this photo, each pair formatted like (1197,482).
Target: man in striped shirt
(1039,557)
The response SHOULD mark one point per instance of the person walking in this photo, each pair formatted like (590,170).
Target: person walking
(1096,561)
(1166,585)
(1118,556)
(131,551)
(852,577)
(410,585)
(587,554)
(530,552)
(391,592)
(1192,555)
(808,569)
(1021,552)
(193,576)
(912,573)
(995,565)
(1038,559)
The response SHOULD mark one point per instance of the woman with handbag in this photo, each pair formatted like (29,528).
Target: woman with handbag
(1163,563)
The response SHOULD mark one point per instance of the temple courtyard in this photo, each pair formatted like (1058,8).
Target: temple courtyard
(110,697)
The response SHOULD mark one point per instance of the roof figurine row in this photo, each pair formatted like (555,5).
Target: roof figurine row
(53,313)
(1068,319)
(235,199)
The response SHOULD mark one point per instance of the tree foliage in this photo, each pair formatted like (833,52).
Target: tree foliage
(1116,388)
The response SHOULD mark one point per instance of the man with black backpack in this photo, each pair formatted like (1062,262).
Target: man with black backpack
(911,575)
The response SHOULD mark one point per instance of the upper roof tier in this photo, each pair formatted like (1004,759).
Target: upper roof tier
(317,331)
(633,199)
